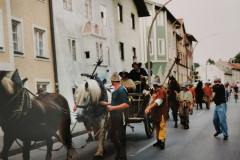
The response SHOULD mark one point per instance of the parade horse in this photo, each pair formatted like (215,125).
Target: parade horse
(173,103)
(94,116)
(32,119)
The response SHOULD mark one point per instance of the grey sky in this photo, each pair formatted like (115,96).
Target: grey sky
(214,23)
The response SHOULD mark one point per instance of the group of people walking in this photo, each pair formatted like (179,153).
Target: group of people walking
(180,101)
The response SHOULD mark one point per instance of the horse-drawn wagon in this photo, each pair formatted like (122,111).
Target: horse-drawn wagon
(138,104)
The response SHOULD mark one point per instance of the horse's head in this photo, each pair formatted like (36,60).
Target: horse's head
(87,94)
(173,84)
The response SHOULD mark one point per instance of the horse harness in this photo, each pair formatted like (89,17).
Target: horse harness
(23,108)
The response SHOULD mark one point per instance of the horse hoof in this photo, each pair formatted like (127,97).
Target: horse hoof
(97,157)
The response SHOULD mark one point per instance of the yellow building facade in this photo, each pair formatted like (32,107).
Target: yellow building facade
(32,43)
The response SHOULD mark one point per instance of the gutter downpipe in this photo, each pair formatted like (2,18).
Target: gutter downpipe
(53,46)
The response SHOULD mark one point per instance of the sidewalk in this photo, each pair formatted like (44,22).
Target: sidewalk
(16,149)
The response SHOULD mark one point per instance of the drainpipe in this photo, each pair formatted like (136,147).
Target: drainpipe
(53,46)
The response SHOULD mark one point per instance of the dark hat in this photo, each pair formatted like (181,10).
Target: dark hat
(124,71)
(135,61)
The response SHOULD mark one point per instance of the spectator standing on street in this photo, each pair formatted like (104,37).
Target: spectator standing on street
(207,94)
(159,112)
(118,111)
(219,117)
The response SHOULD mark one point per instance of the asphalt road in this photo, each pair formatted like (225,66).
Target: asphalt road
(197,143)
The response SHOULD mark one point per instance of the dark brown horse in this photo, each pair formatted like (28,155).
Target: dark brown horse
(36,119)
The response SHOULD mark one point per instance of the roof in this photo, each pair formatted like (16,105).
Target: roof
(158,6)
(191,37)
(141,8)
(235,66)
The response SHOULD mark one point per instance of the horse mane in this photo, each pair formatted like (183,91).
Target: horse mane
(173,84)
(8,85)
(93,88)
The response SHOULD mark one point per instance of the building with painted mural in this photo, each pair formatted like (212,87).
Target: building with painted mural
(6,44)
(127,29)
(99,37)
(162,41)
(26,42)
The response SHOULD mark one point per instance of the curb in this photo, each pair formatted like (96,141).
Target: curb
(40,144)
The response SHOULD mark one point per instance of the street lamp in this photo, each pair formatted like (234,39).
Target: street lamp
(207,36)
(149,36)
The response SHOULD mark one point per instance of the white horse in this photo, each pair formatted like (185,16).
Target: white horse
(88,95)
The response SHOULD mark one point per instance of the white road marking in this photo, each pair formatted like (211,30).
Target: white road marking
(144,148)
(200,113)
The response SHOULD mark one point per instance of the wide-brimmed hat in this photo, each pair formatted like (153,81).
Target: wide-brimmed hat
(184,85)
(124,71)
(135,61)
(115,77)
(207,82)
(156,81)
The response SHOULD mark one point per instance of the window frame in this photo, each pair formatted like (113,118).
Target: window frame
(103,9)
(121,49)
(68,5)
(72,48)
(88,9)
(133,26)
(46,56)
(163,53)
(120,12)
(20,34)
(44,81)
(151,52)
(160,19)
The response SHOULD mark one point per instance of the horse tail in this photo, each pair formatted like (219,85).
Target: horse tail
(65,133)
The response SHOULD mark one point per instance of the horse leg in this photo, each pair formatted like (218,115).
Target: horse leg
(49,142)
(26,149)
(101,137)
(66,136)
(7,143)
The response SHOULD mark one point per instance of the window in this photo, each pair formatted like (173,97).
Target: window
(120,17)
(39,42)
(88,9)
(17,34)
(44,85)
(133,21)
(121,48)
(161,48)
(103,14)
(99,51)
(134,52)
(1,32)
(72,48)
(160,19)
(67,4)
(151,47)
(87,53)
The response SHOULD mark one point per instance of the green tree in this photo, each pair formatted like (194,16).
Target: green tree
(237,58)
(196,65)
(210,61)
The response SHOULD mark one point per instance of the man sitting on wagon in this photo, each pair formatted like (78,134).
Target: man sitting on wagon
(138,74)
(127,82)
